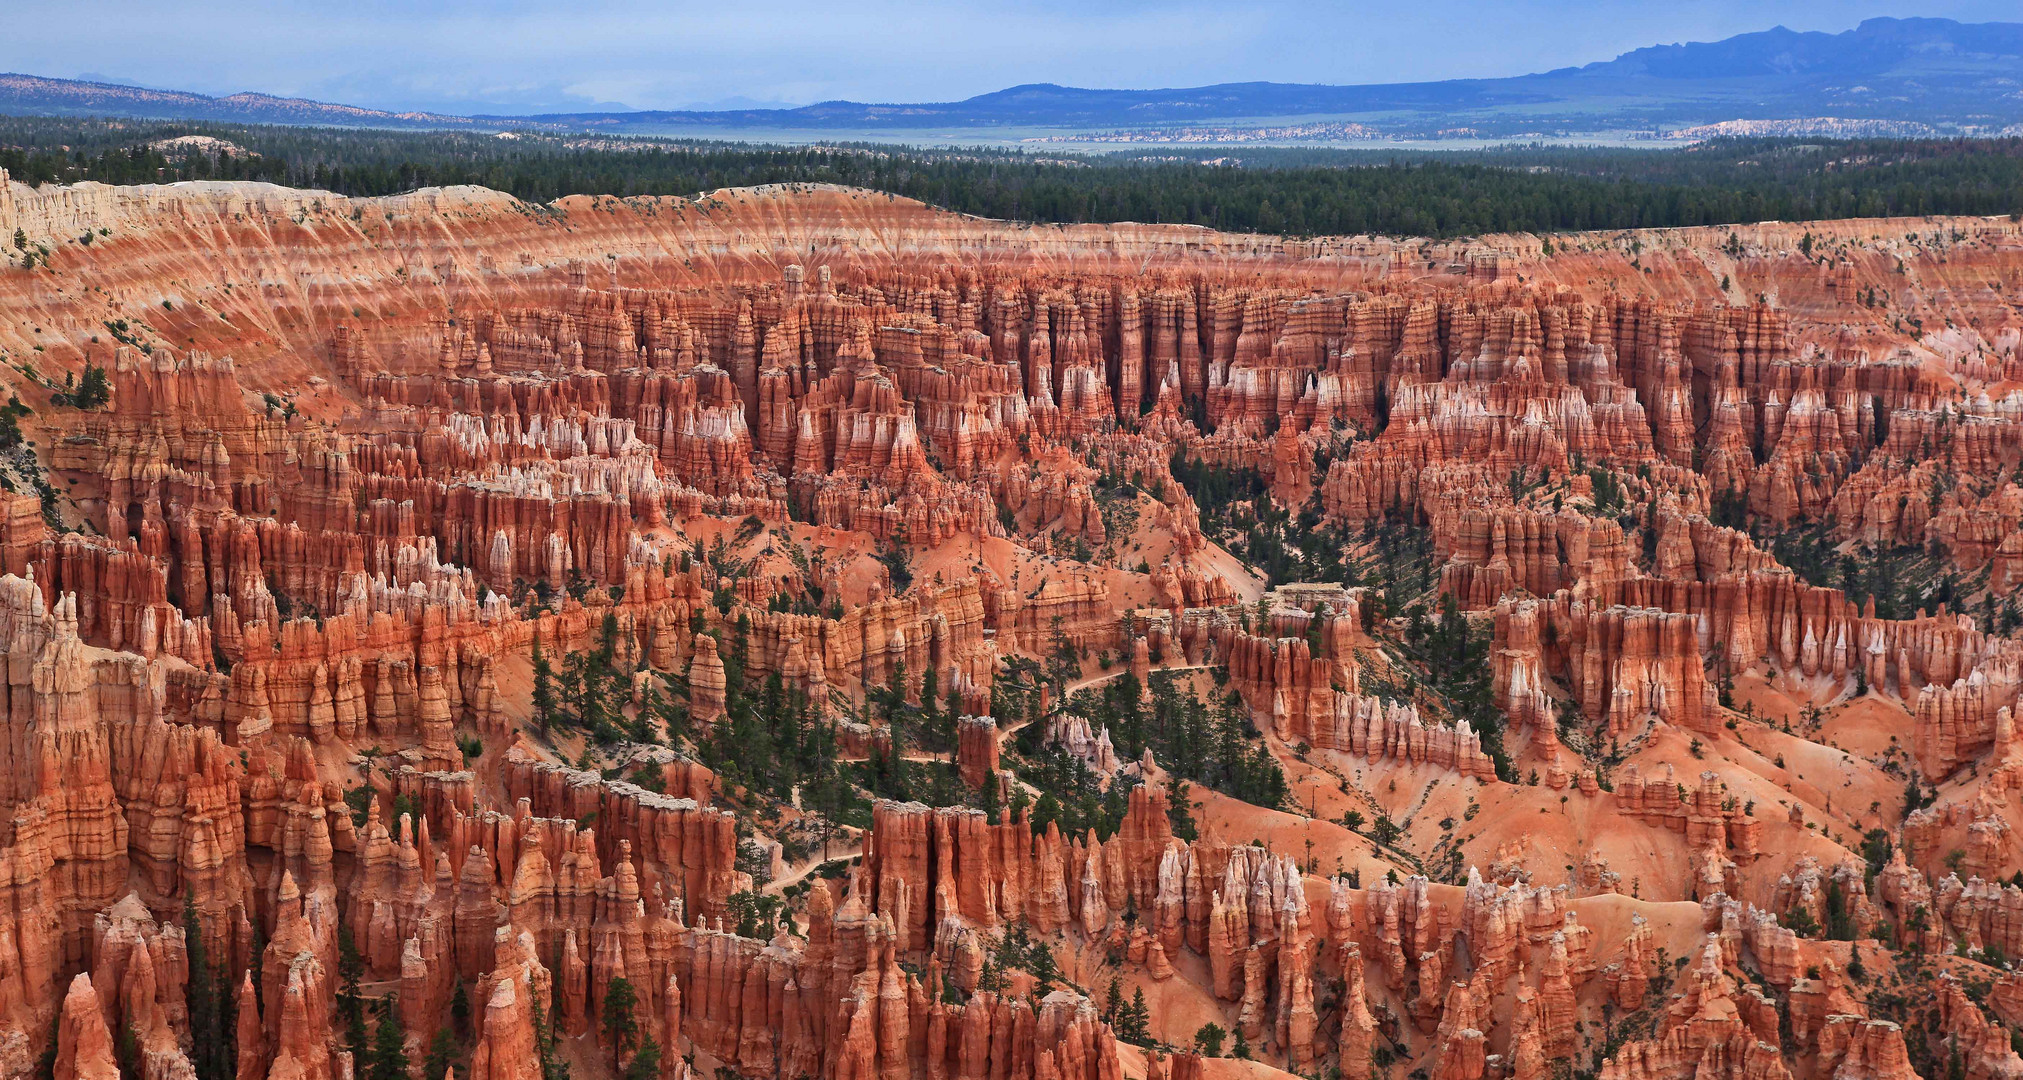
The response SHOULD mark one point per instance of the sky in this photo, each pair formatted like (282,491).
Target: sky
(519,56)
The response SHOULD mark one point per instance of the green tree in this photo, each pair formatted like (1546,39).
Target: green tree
(1208,1040)
(621,1027)
(93,390)
(543,699)
(45,1064)
(350,1006)
(442,1055)
(645,1065)
(937,726)
(898,560)
(1876,849)
(756,915)
(126,1052)
(1839,920)
(1180,808)
(1134,1020)
(1914,797)
(460,1010)
(1064,662)
(552,1067)
(388,1058)
(214,1052)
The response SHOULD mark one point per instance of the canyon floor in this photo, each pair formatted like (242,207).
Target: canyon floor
(800,633)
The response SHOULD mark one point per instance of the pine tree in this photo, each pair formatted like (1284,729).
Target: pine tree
(930,709)
(1208,1040)
(895,693)
(896,769)
(213,1054)
(652,703)
(94,390)
(442,1054)
(544,688)
(1113,1000)
(1180,809)
(621,1027)
(1135,1021)
(460,1010)
(350,1006)
(607,639)
(952,708)
(1839,920)
(259,950)
(645,1065)
(737,660)
(1064,663)
(45,1065)
(126,1052)
(1124,695)
(388,1059)
(552,1068)
(1914,798)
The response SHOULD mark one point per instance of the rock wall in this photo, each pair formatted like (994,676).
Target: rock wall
(271,656)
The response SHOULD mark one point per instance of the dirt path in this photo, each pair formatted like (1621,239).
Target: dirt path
(1091,680)
(849,851)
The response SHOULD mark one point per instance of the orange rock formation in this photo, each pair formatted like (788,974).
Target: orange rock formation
(1711,801)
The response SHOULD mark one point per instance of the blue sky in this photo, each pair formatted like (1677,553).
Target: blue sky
(514,56)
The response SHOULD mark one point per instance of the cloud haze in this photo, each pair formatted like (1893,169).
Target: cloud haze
(518,56)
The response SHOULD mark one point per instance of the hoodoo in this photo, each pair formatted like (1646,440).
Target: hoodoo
(799,633)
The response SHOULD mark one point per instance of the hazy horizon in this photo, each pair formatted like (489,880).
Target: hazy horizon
(522,57)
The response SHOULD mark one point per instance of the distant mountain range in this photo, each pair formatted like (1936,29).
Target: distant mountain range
(34,95)
(1915,75)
